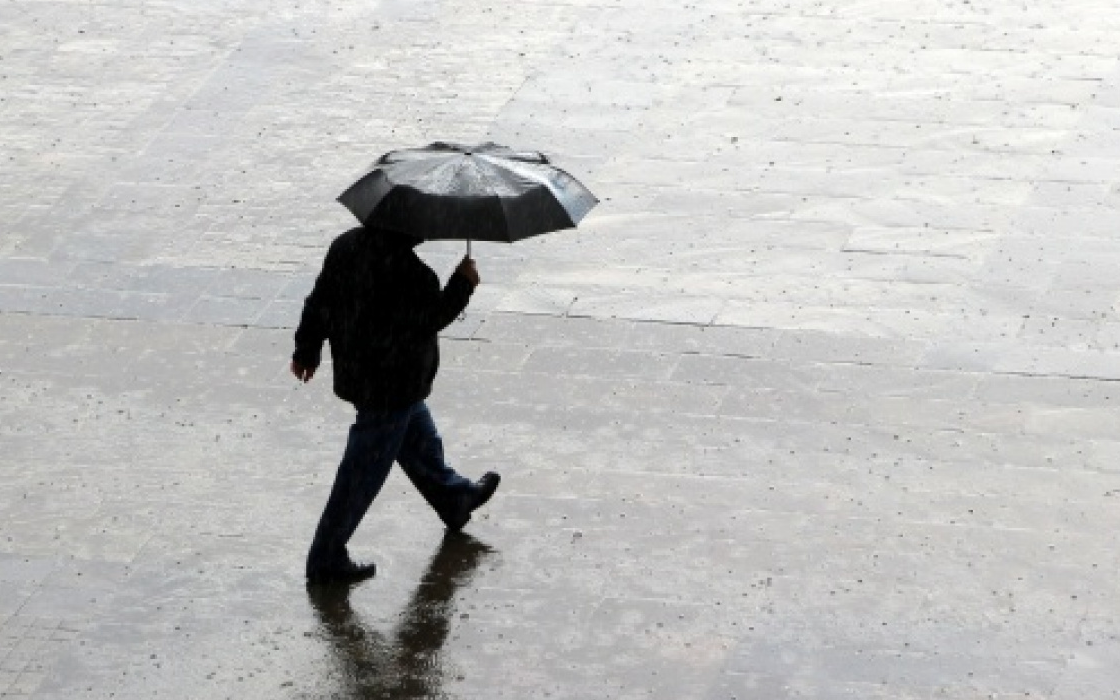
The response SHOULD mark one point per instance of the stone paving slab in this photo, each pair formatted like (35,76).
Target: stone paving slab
(818,403)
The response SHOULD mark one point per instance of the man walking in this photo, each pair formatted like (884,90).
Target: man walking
(381,308)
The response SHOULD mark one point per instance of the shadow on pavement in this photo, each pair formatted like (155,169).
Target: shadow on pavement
(407,664)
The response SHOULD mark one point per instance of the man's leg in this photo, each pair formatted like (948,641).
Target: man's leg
(373,444)
(450,494)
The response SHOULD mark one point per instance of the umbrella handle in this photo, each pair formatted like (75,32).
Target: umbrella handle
(468,247)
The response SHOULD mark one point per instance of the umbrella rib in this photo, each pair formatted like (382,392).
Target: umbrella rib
(493,187)
(420,182)
(544,175)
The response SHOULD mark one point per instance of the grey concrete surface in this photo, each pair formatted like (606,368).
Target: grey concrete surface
(820,402)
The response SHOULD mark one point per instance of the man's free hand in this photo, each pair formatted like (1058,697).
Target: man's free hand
(468,269)
(304,374)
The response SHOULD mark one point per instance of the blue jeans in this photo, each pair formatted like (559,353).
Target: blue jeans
(407,436)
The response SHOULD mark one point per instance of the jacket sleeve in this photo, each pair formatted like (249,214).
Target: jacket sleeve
(453,300)
(314,323)
(429,309)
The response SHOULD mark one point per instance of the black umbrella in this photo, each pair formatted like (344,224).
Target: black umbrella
(453,191)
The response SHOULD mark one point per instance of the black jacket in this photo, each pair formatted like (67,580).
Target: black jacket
(381,308)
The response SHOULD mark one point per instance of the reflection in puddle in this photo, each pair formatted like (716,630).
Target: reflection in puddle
(406,664)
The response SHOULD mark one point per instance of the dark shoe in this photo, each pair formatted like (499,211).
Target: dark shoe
(350,572)
(479,493)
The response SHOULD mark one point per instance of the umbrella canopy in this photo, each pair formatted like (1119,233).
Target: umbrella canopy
(453,191)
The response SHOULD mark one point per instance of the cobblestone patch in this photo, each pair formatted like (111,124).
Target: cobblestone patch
(29,647)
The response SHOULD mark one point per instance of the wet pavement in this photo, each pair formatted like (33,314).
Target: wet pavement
(820,402)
